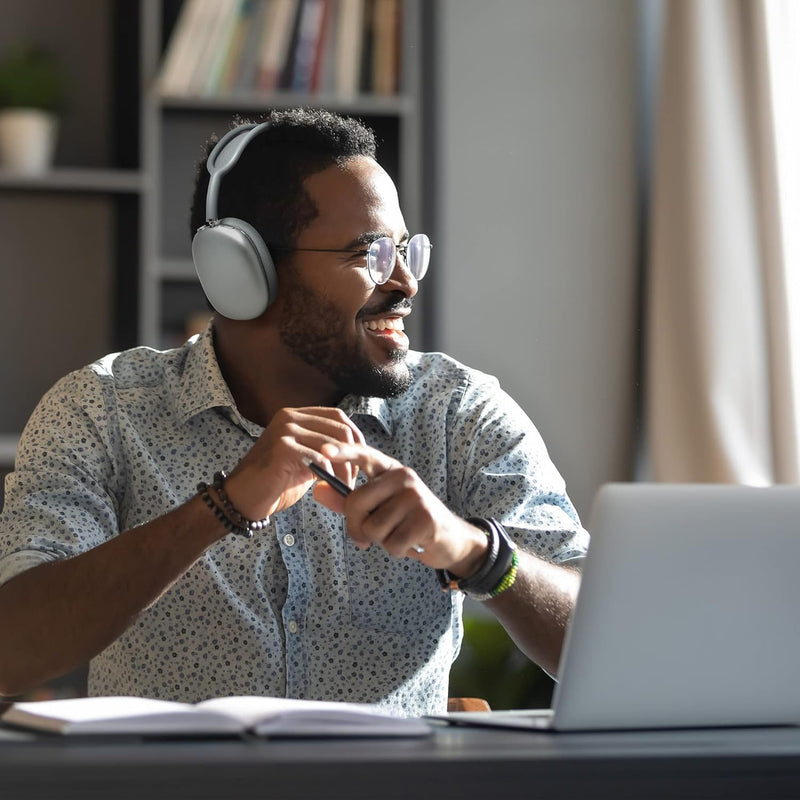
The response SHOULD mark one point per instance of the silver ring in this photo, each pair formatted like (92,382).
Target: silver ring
(417,549)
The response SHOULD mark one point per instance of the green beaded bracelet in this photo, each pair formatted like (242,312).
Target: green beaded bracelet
(497,573)
(508,579)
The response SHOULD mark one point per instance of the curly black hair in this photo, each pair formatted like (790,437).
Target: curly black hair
(265,187)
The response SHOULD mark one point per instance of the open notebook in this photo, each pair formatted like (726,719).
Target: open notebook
(687,614)
(221,716)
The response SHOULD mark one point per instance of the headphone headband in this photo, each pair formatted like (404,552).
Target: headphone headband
(223,157)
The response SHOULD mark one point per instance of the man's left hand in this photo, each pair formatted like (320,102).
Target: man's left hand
(397,511)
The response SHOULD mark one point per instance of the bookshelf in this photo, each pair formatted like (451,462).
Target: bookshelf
(104,235)
(73,236)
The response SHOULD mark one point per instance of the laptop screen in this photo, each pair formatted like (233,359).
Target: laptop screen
(688,610)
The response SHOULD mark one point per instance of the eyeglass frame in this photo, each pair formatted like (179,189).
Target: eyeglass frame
(400,249)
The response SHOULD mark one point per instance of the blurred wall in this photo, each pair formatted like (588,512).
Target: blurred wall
(535,217)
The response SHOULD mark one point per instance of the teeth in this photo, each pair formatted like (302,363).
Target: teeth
(395,324)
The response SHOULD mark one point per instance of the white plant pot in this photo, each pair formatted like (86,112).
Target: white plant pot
(27,140)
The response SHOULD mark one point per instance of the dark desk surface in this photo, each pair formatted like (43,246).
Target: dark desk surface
(454,763)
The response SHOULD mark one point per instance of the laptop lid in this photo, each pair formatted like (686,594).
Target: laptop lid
(688,613)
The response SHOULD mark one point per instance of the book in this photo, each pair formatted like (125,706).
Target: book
(276,717)
(323,75)
(277,43)
(309,35)
(287,68)
(385,47)
(367,47)
(349,46)
(182,52)
(203,44)
(239,36)
(246,75)
(218,48)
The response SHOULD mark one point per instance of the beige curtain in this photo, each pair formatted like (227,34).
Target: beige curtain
(720,366)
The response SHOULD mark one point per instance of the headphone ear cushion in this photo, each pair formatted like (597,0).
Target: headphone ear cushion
(235,268)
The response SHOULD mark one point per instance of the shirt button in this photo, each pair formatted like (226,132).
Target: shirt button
(292,626)
(288,540)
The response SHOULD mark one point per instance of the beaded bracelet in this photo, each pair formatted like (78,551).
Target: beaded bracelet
(253,525)
(498,571)
(508,579)
(233,519)
(202,490)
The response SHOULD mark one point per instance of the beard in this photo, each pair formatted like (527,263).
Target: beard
(313,329)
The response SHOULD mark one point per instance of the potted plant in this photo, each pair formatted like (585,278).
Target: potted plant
(31,95)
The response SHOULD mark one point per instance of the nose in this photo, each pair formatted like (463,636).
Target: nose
(401,279)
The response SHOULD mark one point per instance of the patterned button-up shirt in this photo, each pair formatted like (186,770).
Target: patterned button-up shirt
(297,611)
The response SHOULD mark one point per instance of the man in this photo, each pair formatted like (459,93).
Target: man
(120,544)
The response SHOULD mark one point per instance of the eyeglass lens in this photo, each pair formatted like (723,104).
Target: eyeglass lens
(382,256)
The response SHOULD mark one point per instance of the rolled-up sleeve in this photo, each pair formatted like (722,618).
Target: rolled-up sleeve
(59,500)
(500,468)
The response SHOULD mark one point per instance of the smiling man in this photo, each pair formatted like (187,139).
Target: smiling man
(161,521)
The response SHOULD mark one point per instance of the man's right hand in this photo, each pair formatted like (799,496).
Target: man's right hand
(272,476)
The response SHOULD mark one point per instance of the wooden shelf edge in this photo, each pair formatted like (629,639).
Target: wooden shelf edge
(358,104)
(76,179)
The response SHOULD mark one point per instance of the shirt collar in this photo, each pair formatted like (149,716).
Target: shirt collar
(375,407)
(203,388)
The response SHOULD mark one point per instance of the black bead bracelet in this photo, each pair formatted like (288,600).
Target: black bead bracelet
(233,520)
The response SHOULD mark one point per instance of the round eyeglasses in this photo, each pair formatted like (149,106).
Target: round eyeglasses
(382,255)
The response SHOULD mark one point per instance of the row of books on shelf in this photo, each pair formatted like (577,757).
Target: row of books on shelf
(342,47)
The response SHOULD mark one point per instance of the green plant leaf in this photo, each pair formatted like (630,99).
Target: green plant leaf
(30,78)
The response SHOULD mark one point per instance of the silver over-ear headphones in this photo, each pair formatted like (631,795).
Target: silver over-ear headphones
(232,261)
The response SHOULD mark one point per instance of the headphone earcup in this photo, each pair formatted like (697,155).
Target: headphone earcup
(235,268)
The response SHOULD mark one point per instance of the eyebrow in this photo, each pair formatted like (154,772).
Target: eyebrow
(368,237)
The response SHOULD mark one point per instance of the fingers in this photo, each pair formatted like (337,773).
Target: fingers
(313,428)
(297,433)
(401,526)
(324,493)
(369,460)
(397,532)
(393,509)
(272,476)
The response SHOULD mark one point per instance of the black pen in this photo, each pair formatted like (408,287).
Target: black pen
(341,487)
(326,476)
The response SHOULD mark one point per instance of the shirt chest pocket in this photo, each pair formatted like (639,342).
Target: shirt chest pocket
(394,595)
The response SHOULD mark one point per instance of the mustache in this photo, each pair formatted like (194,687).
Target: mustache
(396,301)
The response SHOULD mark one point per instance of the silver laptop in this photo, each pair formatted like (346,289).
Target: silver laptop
(688,614)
